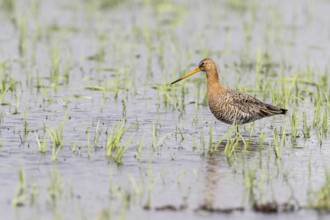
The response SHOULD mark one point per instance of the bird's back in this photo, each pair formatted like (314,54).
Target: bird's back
(230,106)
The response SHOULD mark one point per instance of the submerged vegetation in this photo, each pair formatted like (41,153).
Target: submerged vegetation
(91,128)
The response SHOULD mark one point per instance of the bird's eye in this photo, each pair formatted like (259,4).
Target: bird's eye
(202,64)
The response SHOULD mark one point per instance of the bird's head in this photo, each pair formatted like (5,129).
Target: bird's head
(206,65)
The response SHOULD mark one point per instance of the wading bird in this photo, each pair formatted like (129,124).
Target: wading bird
(228,105)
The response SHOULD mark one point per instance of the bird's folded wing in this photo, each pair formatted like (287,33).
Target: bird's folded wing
(251,107)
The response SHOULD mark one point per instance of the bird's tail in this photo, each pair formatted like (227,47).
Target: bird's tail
(274,110)
(283,111)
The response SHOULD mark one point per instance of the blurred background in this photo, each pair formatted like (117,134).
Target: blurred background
(90,127)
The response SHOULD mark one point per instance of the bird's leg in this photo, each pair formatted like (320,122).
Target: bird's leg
(236,132)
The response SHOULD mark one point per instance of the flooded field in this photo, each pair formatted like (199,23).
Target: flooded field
(90,127)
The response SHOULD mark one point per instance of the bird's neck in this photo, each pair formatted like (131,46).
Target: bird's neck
(213,84)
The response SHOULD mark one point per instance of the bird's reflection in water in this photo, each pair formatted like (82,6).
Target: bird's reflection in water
(211,180)
(220,170)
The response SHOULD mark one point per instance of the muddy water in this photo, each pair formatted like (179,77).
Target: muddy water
(140,46)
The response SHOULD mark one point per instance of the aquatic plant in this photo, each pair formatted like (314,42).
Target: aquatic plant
(320,199)
(279,144)
(306,127)
(294,126)
(42,146)
(21,194)
(55,187)
(114,148)
(57,134)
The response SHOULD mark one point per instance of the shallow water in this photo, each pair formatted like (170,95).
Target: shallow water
(141,46)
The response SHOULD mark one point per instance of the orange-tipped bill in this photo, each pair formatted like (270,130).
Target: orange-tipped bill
(187,75)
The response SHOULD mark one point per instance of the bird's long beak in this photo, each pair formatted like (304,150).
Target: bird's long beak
(187,75)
